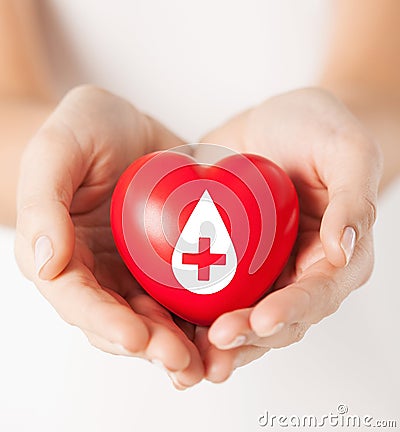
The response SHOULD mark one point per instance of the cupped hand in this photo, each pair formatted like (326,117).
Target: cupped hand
(336,169)
(64,242)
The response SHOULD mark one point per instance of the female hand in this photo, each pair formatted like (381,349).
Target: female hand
(336,170)
(64,242)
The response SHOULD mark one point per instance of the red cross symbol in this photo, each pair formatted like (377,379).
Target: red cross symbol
(204,259)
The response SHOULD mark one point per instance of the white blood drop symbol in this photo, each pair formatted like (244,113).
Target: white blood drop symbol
(204,260)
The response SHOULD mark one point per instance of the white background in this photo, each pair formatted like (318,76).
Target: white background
(192,64)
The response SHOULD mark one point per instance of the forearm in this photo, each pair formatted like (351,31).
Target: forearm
(27,91)
(382,120)
(364,53)
(363,70)
(19,119)
(25,70)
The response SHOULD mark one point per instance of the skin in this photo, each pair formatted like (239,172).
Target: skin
(27,92)
(290,130)
(332,151)
(68,200)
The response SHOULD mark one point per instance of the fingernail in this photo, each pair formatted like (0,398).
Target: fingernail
(237,342)
(43,253)
(178,385)
(274,330)
(159,364)
(348,242)
(122,350)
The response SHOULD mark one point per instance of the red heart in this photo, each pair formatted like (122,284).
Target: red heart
(241,218)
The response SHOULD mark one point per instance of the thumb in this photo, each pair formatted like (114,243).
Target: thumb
(45,232)
(352,179)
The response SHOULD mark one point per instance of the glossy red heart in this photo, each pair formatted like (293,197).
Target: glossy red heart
(203,240)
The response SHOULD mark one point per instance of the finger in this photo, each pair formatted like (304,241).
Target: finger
(181,379)
(248,354)
(80,301)
(169,346)
(115,349)
(218,364)
(166,348)
(317,294)
(193,374)
(352,172)
(51,170)
(310,299)
(287,335)
(231,329)
(106,346)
